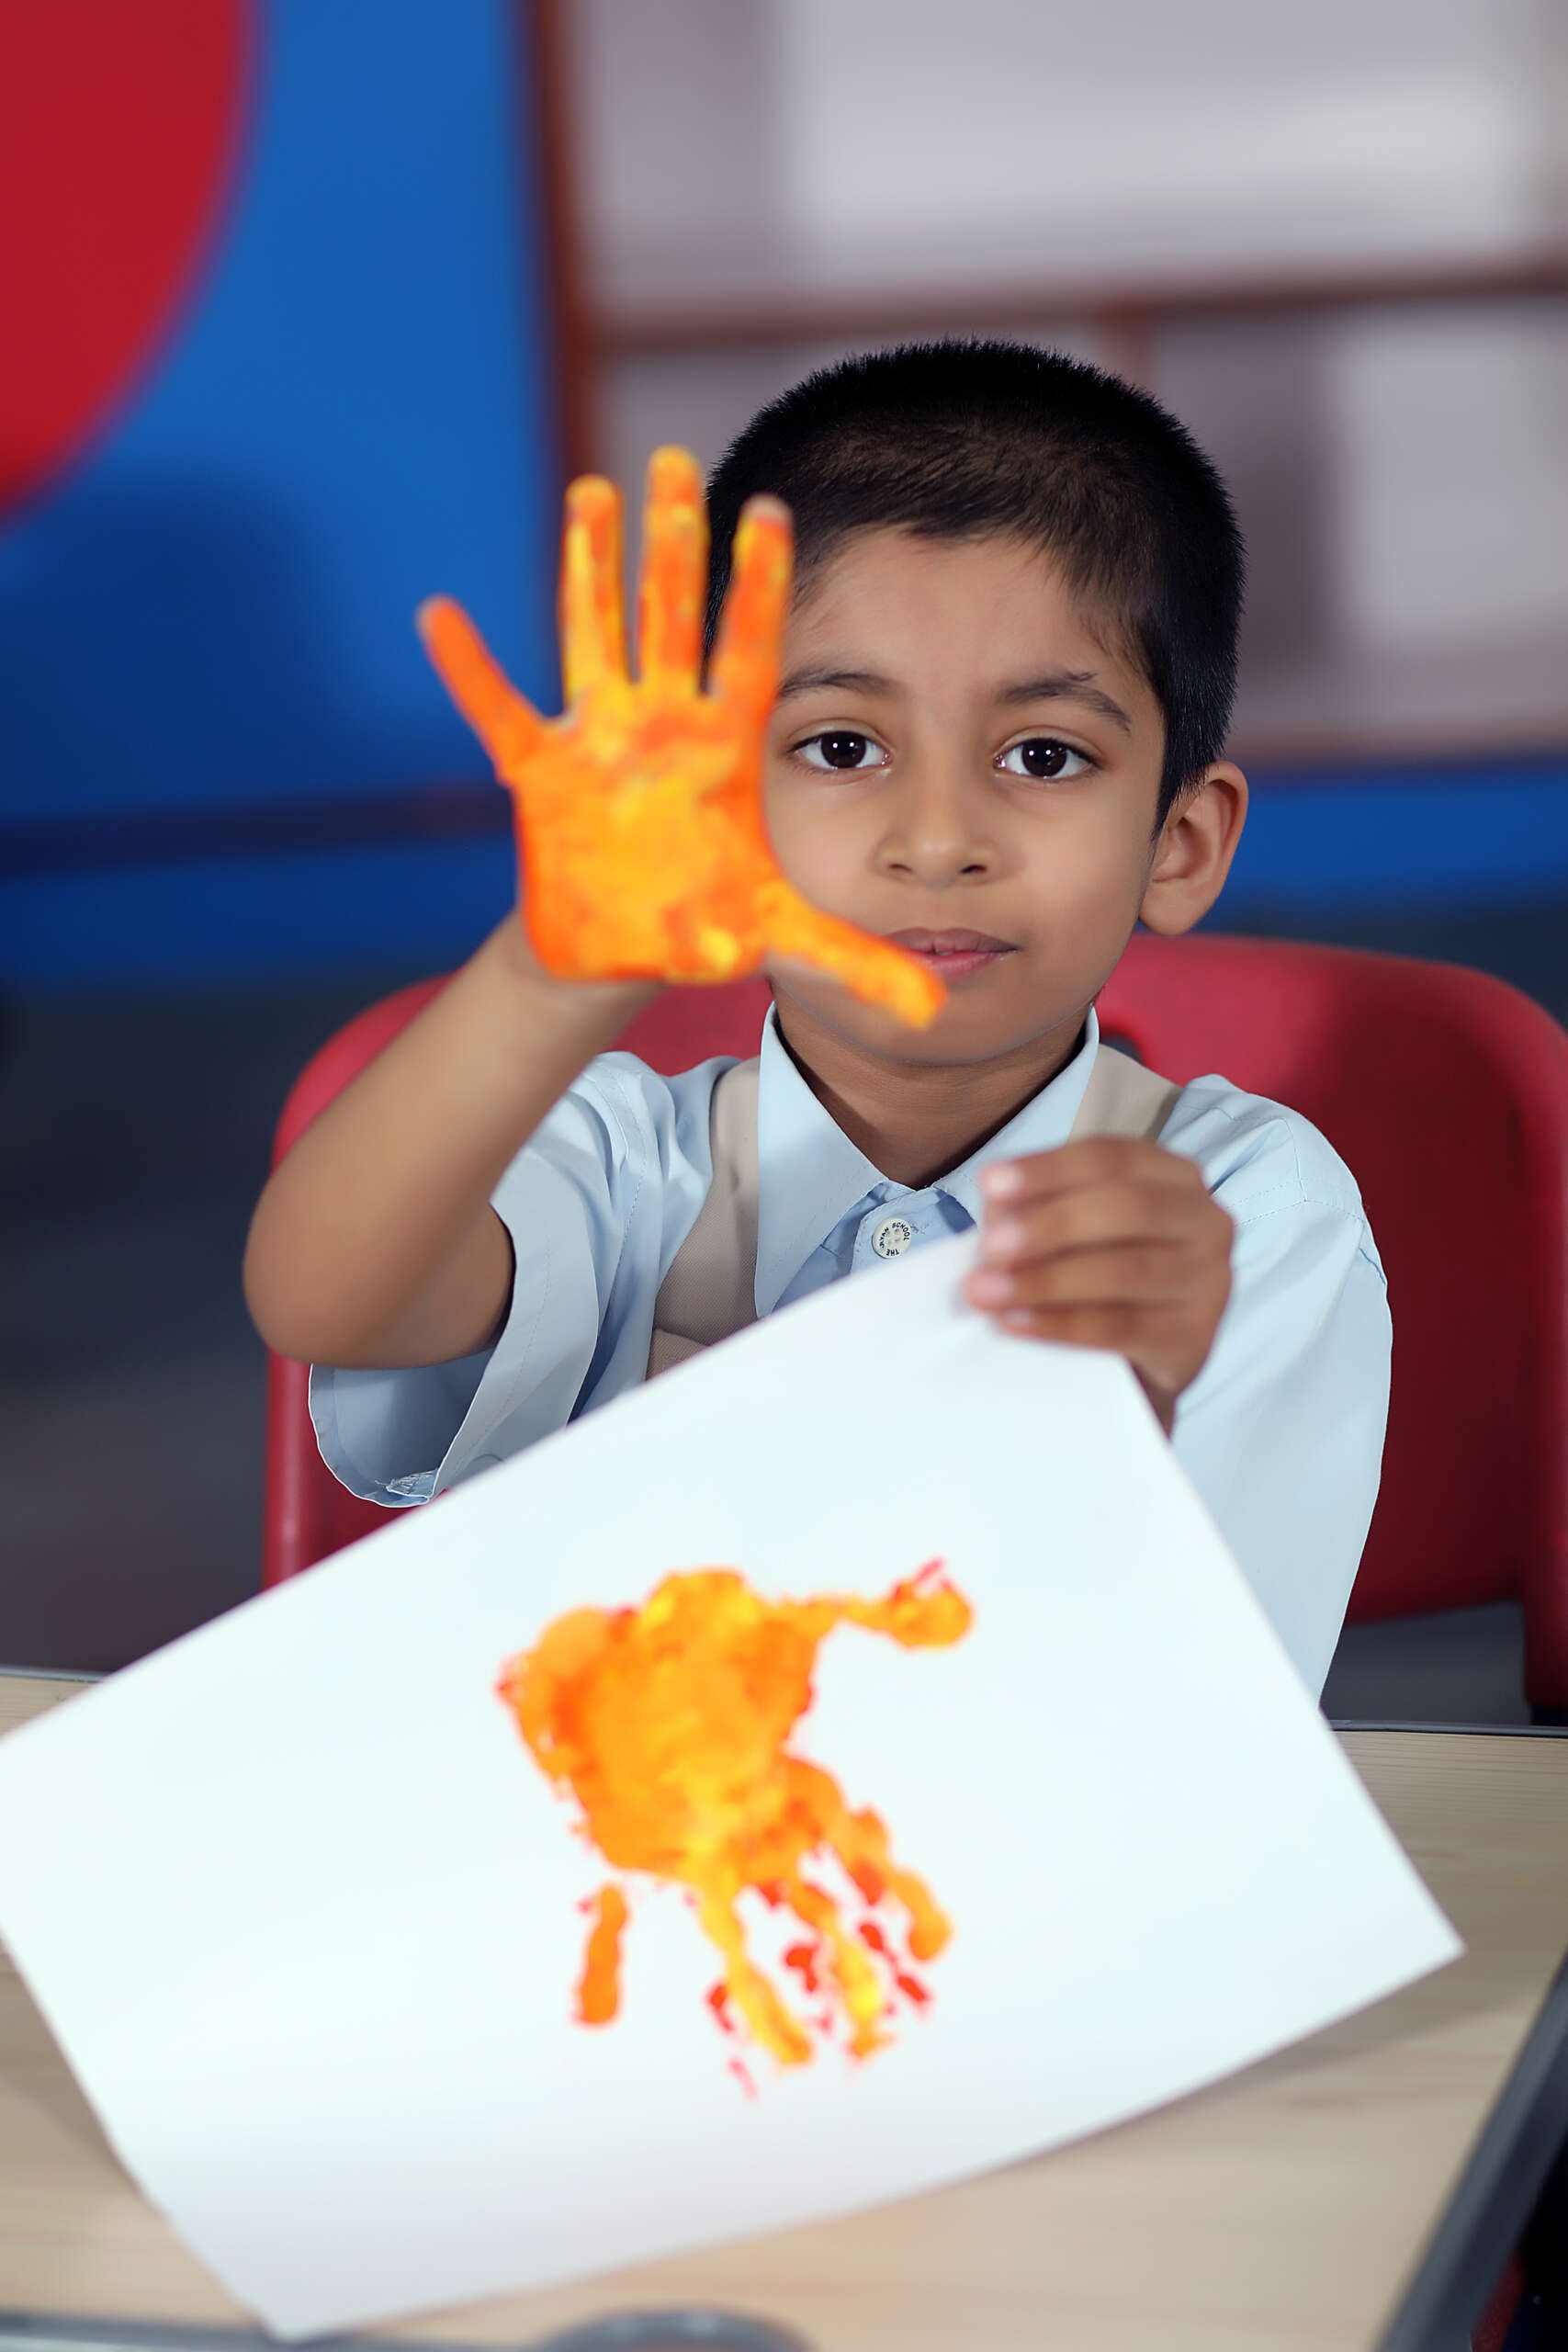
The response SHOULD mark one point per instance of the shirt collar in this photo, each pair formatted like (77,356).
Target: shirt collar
(810,1175)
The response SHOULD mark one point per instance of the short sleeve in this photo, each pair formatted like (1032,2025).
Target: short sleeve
(596,1203)
(1283,1431)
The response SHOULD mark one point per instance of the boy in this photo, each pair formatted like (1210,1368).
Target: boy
(1007,674)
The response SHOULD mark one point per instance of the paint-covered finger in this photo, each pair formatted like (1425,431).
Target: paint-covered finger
(674,585)
(870,969)
(745,669)
(592,624)
(505,721)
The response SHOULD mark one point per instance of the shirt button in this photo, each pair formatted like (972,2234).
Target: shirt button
(892,1237)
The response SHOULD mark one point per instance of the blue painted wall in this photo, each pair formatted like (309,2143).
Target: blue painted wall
(1473,833)
(217,602)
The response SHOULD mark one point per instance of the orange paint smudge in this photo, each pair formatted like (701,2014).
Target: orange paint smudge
(669,1725)
(599,1988)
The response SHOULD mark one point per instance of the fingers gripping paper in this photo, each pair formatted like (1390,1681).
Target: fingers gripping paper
(321,1959)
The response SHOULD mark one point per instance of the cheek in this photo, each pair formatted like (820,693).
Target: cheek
(812,841)
(1093,857)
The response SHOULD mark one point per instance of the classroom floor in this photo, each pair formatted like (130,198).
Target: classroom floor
(133,1142)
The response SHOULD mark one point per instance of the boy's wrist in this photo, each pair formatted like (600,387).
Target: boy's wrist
(597,1009)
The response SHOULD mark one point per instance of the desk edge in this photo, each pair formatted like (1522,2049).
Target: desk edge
(1503,2175)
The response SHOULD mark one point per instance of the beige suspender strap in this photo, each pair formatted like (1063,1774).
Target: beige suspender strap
(710,1289)
(1122,1098)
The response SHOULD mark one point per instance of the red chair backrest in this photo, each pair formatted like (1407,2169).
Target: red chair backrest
(1445,1091)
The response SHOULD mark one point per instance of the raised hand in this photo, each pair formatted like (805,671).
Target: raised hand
(641,835)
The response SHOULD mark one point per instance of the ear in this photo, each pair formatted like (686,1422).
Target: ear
(1193,853)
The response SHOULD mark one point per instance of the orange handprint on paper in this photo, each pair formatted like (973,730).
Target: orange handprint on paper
(669,1726)
(639,812)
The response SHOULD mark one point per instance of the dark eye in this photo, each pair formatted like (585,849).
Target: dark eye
(1044,760)
(838,749)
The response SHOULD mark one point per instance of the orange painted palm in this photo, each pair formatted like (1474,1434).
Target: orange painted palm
(639,812)
(669,1726)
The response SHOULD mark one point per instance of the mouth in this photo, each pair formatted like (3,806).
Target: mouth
(952,954)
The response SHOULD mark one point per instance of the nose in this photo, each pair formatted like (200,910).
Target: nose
(936,832)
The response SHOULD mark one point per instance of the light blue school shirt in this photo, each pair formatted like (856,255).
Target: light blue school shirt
(1281,1432)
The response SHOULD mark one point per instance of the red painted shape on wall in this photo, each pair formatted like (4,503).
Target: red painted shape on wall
(120,126)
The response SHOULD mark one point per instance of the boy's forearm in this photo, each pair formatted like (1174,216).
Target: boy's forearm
(374,1242)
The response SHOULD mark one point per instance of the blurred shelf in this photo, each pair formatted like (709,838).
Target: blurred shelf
(1396,747)
(118,839)
(1356,704)
(1105,302)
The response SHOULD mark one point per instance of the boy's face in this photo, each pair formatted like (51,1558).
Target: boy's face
(953,752)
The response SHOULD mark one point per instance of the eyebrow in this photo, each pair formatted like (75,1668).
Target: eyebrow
(1050,685)
(1067,685)
(853,682)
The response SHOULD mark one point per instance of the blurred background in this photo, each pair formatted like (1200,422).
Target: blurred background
(311,306)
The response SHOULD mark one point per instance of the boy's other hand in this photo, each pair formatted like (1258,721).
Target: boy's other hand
(641,836)
(1109,1242)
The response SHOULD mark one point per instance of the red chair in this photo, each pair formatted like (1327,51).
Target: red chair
(1445,1090)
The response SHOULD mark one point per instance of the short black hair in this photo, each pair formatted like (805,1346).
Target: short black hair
(964,437)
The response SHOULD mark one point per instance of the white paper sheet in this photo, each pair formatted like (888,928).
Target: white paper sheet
(301,1907)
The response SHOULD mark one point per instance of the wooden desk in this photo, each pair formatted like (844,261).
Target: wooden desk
(1359,2192)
